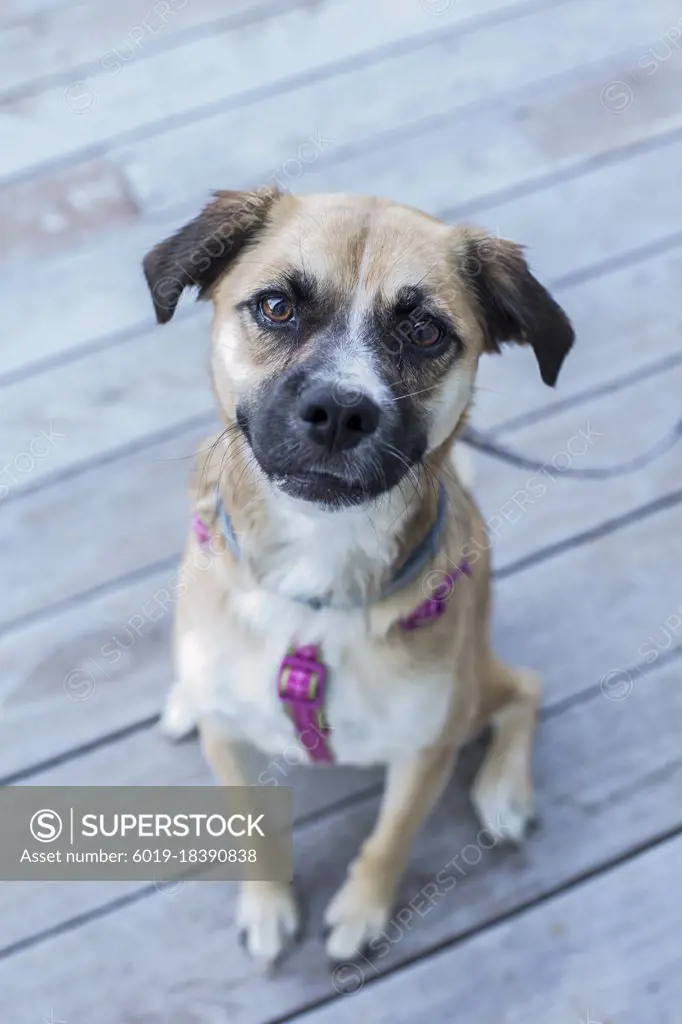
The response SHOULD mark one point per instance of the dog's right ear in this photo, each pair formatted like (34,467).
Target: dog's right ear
(197,254)
(514,305)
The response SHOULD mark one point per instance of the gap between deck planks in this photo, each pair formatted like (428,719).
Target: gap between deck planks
(100,290)
(607,950)
(666,764)
(498,67)
(70,42)
(17,11)
(249,62)
(607,777)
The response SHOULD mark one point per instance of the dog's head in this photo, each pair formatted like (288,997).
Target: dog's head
(347,330)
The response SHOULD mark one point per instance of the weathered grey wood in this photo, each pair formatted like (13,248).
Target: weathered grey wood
(60,690)
(119,517)
(609,953)
(132,511)
(491,68)
(569,227)
(621,330)
(152,382)
(583,617)
(98,290)
(608,774)
(58,208)
(63,209)
(107,711)
(504,121)
(54,209)
(71,40)
(18,10)
(105,662)
(608,431)
(584,215)
(220,66)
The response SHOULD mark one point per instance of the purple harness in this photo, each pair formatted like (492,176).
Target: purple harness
(302,677)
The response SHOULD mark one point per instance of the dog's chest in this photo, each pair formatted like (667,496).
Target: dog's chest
(380,703)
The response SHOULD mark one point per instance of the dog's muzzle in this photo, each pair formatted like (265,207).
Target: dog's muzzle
(321,441)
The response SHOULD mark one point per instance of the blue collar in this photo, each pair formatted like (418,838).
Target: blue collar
(417,560)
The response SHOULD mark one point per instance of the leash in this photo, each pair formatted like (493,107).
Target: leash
(484,442)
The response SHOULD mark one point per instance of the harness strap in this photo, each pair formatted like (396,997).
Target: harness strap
(302,676)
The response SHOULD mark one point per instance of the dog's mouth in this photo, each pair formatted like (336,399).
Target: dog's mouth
(329,489)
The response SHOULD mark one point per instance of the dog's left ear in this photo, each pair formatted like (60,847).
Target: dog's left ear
(197,254)
(514,305)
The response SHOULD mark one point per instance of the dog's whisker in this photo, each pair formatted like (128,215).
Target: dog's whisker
(411,474)
(207,462)
(422,391)
(225,454)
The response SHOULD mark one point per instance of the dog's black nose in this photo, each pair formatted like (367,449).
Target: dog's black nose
(337,419)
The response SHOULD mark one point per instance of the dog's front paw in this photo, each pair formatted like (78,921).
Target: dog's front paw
(503,804)
(358,913)
(179,717)
(267,917)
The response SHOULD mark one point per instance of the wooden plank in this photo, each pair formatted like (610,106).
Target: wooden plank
(139,510)
(60,211)
(18,10)
(119,98)
(157,379)
(152,382)
(144,493)
(622,331)
(609,951)
(583,617)
(100,290)
(199,158)
(73,40)
(147,759)
(626,779)
(486,114)
(86,671)
(102,663)
(573,225)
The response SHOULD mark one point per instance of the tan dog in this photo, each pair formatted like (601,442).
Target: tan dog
(346,337)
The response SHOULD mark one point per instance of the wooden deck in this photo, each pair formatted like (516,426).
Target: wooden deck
(555,122)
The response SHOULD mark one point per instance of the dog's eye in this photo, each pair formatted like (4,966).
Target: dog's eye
(425,333)
(276,308)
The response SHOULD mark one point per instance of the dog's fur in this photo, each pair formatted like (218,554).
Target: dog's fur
(360,273)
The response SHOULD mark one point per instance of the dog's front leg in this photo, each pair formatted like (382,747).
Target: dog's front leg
(267,914)
(361,908)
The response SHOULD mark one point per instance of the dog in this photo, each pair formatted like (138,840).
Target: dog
(344,613)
